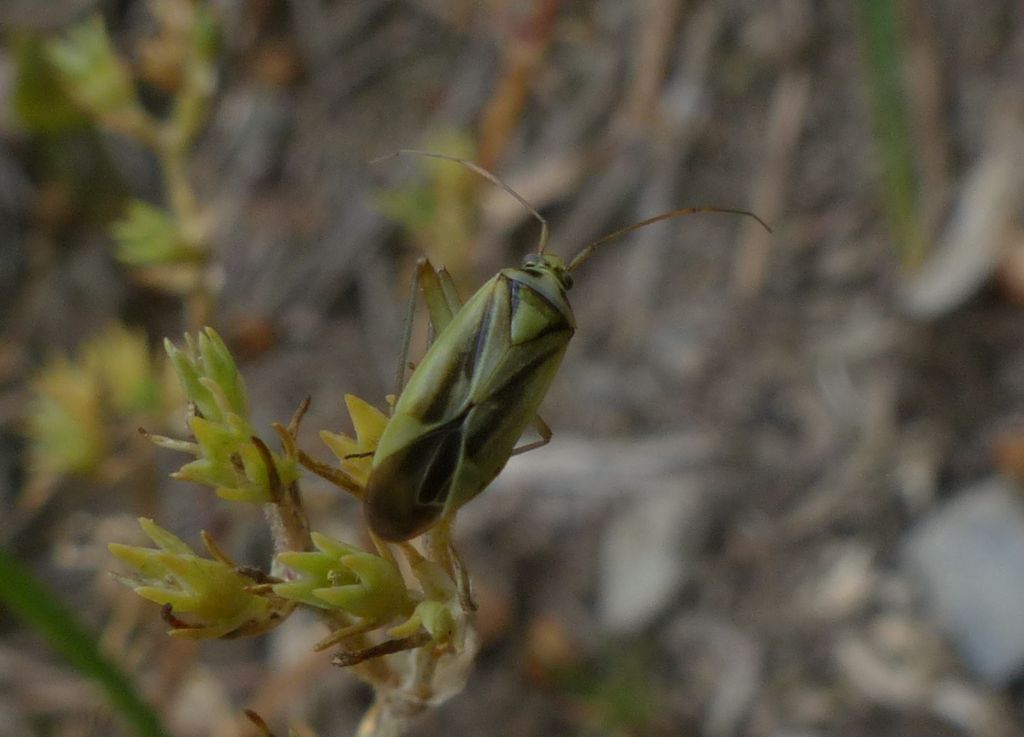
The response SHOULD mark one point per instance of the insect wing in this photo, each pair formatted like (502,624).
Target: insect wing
(401,496)
(465,406)
(506,399)
(420,448)
(439,390)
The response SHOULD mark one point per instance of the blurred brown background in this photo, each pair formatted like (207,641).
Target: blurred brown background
(782,497)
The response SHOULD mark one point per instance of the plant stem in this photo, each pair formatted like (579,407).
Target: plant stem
(172,153)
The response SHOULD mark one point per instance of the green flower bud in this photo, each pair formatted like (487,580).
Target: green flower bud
(228,458)
(189,375)
(219,366)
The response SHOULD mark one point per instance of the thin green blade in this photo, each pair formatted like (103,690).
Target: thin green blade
(38,607)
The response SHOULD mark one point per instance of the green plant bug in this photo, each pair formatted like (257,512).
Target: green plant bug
(478,387)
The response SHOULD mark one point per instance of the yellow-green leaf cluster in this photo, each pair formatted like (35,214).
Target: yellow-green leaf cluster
(216,594)
(76,402)
(356,454)
(98,79)
(147,235)
(130,377)
(342,576)
(66,419)
(179,58)
(369,587)
(38,99)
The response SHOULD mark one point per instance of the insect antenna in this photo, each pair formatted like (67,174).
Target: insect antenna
(584,253)
(493,178)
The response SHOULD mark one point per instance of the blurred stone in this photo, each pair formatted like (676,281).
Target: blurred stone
(843,585)
(875,672)
(202,701)
(721,665)
(969,557)
(968,707)
(644,558)
(968,253)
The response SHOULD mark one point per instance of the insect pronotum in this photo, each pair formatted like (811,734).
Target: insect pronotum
(478,387)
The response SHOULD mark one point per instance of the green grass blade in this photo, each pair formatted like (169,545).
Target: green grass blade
(38,607)
(882,39)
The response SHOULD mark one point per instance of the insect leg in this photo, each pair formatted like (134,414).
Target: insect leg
(330,473)
(545,437)
(462,581)
(439,294)
(388,647)
(451,295)
(442,304)
(410,314)
(358,628)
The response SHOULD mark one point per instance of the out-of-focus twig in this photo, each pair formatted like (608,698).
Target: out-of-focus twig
(925,83)
(785,121)
(521,60)
(675,120)
(656,30)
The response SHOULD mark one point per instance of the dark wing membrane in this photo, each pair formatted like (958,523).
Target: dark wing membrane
(422,471)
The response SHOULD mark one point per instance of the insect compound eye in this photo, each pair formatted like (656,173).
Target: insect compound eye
(566,279)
